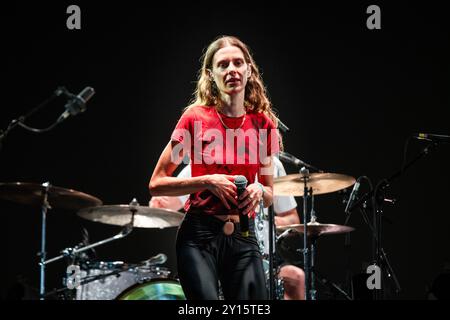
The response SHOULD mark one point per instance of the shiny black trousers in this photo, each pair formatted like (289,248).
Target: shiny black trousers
(206,256)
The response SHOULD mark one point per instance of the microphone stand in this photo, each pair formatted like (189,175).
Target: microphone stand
(377,198)
(272,266)
(20,121)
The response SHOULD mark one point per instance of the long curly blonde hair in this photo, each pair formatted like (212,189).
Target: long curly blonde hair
(206,93)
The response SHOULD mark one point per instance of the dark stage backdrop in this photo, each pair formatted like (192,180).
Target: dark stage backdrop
(351,97)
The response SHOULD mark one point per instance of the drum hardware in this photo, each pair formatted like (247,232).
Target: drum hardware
(106,280)
(142,216)
(307,185)
(321,183)
(315,230)
(72,253)
(47,197)
(99,278)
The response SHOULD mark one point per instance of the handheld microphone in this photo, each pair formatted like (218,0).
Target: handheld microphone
(241,184)
(432,137)
(77,104)
(352,197)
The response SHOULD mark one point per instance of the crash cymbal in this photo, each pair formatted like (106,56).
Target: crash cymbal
(145,217)
(293,184)
(58,198)
(316,228)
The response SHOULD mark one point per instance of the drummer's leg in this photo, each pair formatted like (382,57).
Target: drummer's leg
(294,282)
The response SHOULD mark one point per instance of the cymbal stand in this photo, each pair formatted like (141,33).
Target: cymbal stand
(313,292)
(42,254)
(304,173)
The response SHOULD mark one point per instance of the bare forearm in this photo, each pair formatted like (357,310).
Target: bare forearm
(287,218)
(173,186)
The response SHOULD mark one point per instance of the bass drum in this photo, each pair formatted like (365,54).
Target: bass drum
(155,289)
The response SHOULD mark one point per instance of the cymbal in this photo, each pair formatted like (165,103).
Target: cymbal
(33,194)
(317,229)
(145,217)
(293,184)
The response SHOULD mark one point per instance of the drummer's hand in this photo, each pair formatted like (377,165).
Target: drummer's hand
(223,187)
(165,202)
(250,199)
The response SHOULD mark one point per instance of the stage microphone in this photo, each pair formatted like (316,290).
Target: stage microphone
(352,197)
(432,137)
(287,157)
(76,104)
(241,184)
(291,159)
(281,126)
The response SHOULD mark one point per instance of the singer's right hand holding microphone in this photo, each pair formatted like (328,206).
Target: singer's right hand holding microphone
(250,199)
(222,186)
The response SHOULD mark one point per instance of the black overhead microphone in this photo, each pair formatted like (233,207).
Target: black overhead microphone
(76,103)
(432,137)
(287,157)
(282,126)
(241,184)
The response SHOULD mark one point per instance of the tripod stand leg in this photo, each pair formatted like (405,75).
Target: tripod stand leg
(331,285)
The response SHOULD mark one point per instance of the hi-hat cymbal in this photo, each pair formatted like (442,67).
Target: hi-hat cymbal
(59,198)
(293,184)
(317,229)
(145,217)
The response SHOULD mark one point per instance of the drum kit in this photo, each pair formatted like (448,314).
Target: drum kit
(307,185)
(100,280)
(148,280)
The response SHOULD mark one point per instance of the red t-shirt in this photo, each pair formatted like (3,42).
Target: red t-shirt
(215,149)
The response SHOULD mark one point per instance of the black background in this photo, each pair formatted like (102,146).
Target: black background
(351,97)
